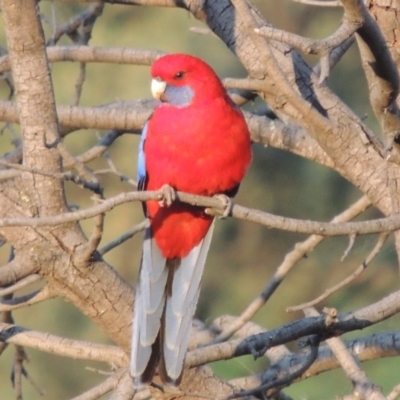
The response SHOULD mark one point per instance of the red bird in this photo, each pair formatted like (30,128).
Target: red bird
(196,141)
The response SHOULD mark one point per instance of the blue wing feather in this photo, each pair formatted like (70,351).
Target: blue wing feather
(141,168)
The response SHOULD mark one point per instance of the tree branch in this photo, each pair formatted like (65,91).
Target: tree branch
(89,54)
(362,386)
(215,207)
(321,325)
(60,346)
(380,70)
(291,258)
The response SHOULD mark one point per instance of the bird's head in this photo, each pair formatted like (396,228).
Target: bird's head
(180,79)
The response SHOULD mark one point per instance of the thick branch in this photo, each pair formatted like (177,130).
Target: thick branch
(380,70)
(35,102)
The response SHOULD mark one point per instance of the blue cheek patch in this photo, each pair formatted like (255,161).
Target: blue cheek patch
(179,96)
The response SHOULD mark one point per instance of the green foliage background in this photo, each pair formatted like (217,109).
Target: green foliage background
(243,256)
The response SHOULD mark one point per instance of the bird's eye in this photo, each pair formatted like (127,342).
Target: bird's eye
(179,75)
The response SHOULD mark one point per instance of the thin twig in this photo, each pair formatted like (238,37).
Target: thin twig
(100,147)
(349,247)
(20,371)
(16,375)
(27,300)
(79,84)
(123,238)
(311,46)
(375,251)
(103,388)
(72,26)
(115,171)
(68,176)
(20,284)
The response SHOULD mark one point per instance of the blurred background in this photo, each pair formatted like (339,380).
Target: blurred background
(243,256)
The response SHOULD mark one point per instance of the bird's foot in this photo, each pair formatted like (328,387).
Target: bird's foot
(227,203)
(168,195)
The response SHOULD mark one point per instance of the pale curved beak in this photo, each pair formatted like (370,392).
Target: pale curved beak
(158,87)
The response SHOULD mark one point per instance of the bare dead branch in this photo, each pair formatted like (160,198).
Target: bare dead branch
(102,145)
(215,207)
(103,388)
(20,284)
(123,238)
(61,346)
(114,170)
(16,375)
(307,45)
(380,70)
(122,115)
(89,54)
(367,348)
(124,389)
(36,106)
(131,116)
(259,344)
(334,57)
(282,85)
(362,386)
(225,322)
(352,240)
(20,371)
(87,251)
(27,300)
(313,341)
(15,270)
(360,269)
(84,20)
(93,186)
(299,251)
(79,84)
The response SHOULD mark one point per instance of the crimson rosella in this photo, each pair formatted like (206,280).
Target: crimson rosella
(196,141)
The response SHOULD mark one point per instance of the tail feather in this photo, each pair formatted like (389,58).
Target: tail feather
(166,300)
(148,310)
(180,308)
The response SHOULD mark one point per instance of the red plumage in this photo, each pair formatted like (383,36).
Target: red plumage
(202,149)
(196,141)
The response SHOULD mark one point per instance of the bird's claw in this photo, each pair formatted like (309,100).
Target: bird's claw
(227,203)
(168,194)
